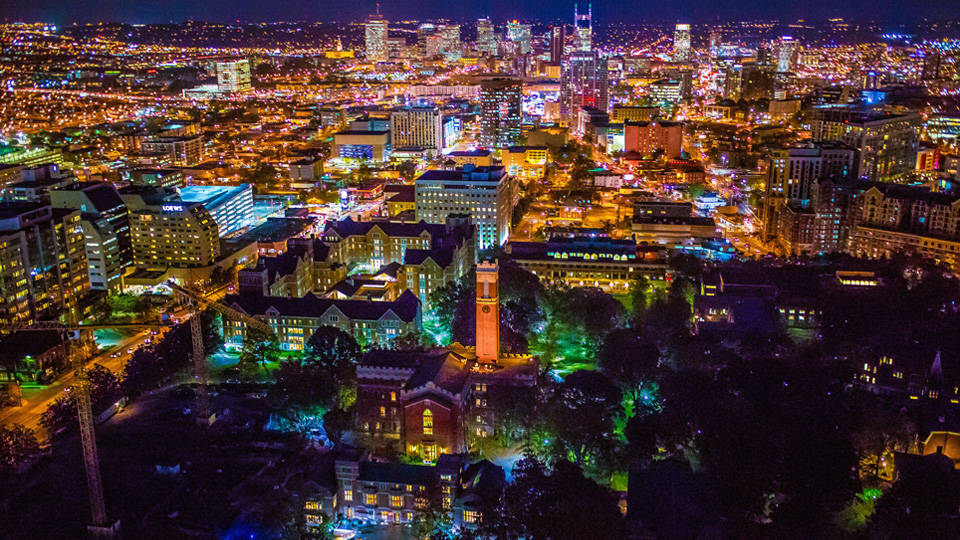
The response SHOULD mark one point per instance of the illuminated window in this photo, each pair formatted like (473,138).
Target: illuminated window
(312,505)
(393,396)
(470,516)
(396,501)
(427,422)
(370,498)
(348,495)
(383,411)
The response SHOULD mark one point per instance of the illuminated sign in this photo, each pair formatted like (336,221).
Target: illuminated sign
(172,208)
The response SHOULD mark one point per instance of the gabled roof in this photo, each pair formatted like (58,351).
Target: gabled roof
(406,307)
(398,473)
(349,227)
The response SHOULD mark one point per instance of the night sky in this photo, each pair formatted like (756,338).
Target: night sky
(63,12)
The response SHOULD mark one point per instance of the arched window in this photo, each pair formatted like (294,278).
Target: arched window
(427,422)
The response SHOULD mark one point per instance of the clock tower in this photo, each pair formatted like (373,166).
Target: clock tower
(488,312)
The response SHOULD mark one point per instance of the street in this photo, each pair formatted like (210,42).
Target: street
(36,400)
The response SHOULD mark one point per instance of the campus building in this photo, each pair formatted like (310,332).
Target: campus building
(294,320)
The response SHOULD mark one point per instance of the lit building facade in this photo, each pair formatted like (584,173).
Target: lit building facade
(231,207)
(486,194)
(584,84)
(526,162)
(611,265)
(362,145)
(375,38)
(500,112)
(417,127)
(43,263)
(681,42)
(233,76)
(173,234)
(106,229)
(294,320)
(181,151)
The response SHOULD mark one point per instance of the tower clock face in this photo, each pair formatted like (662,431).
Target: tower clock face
(485,309)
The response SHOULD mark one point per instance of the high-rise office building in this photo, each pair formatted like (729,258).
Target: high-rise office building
(233,76)
(486,37)
(584,84)
(424,32)
(785,53)
(557,36)
(449,40)
(500,112)
(43,261)
(681,42)
(375,34)
(715,42)
(583,29)
(486,194)
(417,127)
(106,230)
(520,34)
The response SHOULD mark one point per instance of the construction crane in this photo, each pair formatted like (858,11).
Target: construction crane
(201,302)
(88,440)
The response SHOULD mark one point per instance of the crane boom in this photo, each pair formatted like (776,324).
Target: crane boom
(201,302)
(226,311)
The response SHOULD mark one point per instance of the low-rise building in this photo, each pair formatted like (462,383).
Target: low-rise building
(477,158)
(526,162)
(181,151)
(362,145)
(376,492)
(609,264)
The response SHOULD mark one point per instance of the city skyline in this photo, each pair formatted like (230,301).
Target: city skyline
(605,11)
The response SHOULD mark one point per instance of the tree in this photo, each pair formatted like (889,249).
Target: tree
(582,412)
(259,349)
(323,377)
(544,504)
(407,169)
(18,444)
(627,357)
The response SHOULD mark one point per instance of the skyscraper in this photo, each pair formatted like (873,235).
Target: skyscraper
(519,33)
(584,84)
(376,29)
(450,39)
(785,54)
(681,43)
(500,112)
(486,37)
(417,127)
(582,29)
(424,31)
(556,44)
